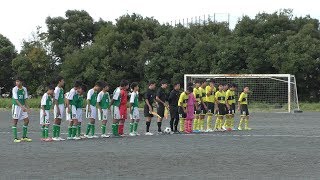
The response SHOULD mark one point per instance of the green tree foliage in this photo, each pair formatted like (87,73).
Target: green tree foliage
(7,54)
(140,48)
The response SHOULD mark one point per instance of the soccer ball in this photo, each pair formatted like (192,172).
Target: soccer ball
(167,130)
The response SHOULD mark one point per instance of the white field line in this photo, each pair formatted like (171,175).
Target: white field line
(219,134)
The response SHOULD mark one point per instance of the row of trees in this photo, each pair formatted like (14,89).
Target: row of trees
(139,49)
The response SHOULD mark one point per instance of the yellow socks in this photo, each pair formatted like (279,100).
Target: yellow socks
(209,123)
(246,126)
(181,122)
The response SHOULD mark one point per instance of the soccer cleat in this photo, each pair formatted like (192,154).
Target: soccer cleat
(105,136)
(224,128)
(26,139)
(48,140)
(69,138)
(196,131)
(55,139)
(16,140)
(132,134)
(240,128)
(61,139)
(95,136)
(86,136)
(76,138)
(149,134)
(160,133)
(137,134)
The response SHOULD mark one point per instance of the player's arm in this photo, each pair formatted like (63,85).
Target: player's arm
(98,101)
(158,99)
(55,100)
(216,101)
(208,91)
(146,97)
(89,94)
(227,102)
(240,99)
(26,100)
(43,103)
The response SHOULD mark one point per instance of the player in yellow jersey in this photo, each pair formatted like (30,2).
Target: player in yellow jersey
(203,105)
(197,94)
(220,98)
(231,107)
(210,100)
(243,108)
(182,104)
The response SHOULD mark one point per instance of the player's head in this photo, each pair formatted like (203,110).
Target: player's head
(135,86)
(197,83)
(220,86)
(98,85)
(190,84)
(124,84)
(105,86)
(211,82)
(82,89)
(152,84)
(77,84)
(176,86)
(226,87)
(18,81)
(59,81)
(203,83)
(50,89)
(246,89)
(189,90)
(164,84)
(233,87)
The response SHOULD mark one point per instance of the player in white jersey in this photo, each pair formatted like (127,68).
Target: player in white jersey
(103,104)
(46,104)
(72,111)
(20,110)
(134,109)
(58,110)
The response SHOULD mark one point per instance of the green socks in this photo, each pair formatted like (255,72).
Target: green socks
(115,129)
(46,132)
(135,127)
(14,131)
(88,128)
(58,131)
(42,132)
(131,127)
(24,131)
(69,131)
(103,129)
(79,129)
(54,130)
(93,129)
(74,131)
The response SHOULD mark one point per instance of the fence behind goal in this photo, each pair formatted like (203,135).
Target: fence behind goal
(268,92)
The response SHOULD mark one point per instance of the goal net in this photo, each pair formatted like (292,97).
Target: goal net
(268,92)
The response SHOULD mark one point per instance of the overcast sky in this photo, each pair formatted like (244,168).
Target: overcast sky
(19,18)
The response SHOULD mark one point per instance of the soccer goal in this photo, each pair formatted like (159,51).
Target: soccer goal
(268,92)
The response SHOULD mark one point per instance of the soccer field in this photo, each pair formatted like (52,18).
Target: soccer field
(280,146)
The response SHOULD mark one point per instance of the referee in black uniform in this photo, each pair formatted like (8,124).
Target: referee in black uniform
(161,99)
(173,104)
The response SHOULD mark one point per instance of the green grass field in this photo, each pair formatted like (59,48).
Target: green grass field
(304,106)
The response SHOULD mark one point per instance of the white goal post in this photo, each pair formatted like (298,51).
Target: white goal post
(268,92)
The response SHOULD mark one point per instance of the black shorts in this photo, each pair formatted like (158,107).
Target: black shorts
(197,111)
(160,110)
(203,110)
(174,112)
(232,109)
(244,110)
(210,106)
(146,111)
(222,110)
(182,114)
